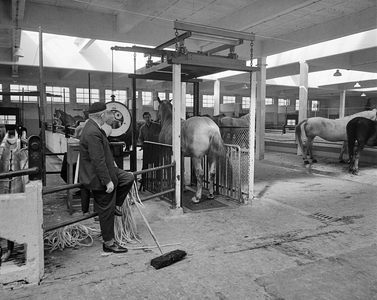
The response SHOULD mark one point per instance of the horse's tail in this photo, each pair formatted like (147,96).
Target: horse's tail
(218,152)
(298,134)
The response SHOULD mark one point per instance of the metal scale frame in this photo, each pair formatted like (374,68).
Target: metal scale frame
(192,65)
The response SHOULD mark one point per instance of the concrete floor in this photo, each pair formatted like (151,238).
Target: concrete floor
(310,233)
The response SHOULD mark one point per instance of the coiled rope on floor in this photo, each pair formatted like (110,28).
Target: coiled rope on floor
(69,236)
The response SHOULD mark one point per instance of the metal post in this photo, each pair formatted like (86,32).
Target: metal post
(42,102)
(90,102)
(133,157)
(196,98)
(177,102)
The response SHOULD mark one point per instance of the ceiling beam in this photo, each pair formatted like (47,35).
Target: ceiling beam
(83,44)
(340,27)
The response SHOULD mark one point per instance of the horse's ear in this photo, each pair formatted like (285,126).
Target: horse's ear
(159,100)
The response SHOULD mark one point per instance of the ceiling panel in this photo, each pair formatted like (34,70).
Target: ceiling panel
(151,22)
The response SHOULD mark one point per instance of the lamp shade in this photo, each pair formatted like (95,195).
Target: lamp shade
(18,52)
(363,95)
(357,85)
(337,73)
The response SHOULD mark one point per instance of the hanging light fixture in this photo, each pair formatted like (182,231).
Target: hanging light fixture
(18,52)
(337,73)
(363,95)
(357,85)
(245,87)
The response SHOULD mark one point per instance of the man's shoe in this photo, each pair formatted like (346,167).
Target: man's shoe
(114,248)
(118,212)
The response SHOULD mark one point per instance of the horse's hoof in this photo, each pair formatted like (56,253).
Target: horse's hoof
(314,161)
(306,162)
(195,200)
(210,196)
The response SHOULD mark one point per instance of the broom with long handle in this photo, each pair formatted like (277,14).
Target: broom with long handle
(165,259)
(149,228)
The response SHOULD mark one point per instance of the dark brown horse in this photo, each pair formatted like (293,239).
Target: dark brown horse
(364,131)
(200,136)
(67,119)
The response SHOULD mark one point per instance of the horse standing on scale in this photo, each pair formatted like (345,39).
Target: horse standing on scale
(200,136)
(329,130)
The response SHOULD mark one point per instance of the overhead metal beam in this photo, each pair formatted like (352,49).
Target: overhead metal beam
(213,31)
(220,48)
(174,40)
(145,50)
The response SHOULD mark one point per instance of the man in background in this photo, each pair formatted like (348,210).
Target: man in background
(148,132)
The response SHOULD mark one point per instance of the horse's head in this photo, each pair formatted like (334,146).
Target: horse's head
(57,113)
(164,110)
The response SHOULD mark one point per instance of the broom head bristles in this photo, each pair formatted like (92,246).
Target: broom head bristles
(167,259)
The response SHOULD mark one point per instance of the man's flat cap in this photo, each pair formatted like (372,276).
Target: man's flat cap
(97,107)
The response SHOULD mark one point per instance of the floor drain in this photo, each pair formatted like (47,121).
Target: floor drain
(324,218)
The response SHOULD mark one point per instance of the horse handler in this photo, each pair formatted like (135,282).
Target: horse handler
(99,173)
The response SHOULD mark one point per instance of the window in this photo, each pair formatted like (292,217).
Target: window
(8,119)
(189,100)
(161,95)
(120,95)
(82,95)
(315,105)
(146,98)
(229,99)
(1,89)
(63,92)
(23,88)
(283,102)
(245,102)
(291,122)
(269,101)
(208,101)
(297,106)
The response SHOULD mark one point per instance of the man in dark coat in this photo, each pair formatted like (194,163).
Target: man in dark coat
(99,174)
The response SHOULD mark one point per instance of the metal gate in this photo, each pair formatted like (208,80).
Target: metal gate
(232,179)
(157,155)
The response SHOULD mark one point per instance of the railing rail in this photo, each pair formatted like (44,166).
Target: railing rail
(12,174)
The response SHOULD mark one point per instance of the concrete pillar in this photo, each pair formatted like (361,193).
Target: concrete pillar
(252,136)
(216,97)
(303,95)
(183,101)
(177,102)
(342,104)
(261,109)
